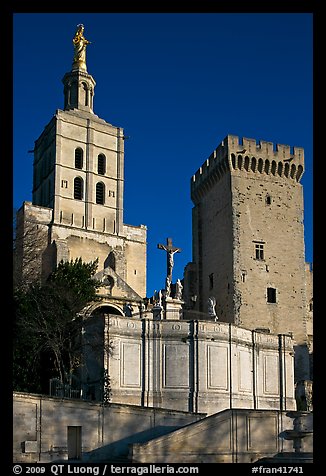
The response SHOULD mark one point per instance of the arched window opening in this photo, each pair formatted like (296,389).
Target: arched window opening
(78,158)
(293,168)
(311,305)
(286,170)
(101,164)
(110,261)
(100,193)
(267,166)
(73,93)
(246,163)
(273,167)
(280,169)
(78,188)
(240,162)
(253,164)
(84,94)
(260,165)
(233,160)
(299,173)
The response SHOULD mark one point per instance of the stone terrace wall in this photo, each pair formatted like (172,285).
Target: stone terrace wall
(199,366)
(40,427)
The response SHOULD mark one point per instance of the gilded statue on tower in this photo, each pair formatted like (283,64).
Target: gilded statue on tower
(80,44)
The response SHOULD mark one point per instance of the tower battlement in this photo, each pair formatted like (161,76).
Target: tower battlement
(251,156)
(263,148)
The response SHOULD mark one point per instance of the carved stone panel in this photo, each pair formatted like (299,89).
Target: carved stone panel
(245,371)
(175,365)
(261,431)
(271,374)
(130,369)
(217,367)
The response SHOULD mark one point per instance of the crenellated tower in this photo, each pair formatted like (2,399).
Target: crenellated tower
(248,237)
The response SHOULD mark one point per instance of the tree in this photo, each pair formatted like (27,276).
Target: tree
(30,239)
(49,325)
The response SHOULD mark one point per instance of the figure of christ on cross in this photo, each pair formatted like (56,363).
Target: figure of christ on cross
(170,250)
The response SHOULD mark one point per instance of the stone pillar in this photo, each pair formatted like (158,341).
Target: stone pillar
(152,396)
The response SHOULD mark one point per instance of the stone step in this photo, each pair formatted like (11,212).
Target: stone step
(289,458)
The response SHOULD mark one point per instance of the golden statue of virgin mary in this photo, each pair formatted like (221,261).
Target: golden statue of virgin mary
(80,44)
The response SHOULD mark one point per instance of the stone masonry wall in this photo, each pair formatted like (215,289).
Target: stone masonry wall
(198,365)
(248,199)
(40,427)
(267,212)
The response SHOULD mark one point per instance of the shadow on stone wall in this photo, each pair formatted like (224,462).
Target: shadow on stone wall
(120,449)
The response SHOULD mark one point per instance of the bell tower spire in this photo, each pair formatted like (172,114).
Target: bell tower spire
(78,84)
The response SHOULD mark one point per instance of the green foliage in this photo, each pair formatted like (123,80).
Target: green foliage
(76,278)
(48,325)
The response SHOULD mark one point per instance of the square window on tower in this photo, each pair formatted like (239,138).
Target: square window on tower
(271,295)
(259,251)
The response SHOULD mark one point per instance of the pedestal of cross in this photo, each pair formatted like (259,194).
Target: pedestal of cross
(173,309)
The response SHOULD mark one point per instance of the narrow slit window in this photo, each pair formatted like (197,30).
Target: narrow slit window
(85,93)
(101,164)
(79,158)
(78,188)
(100,190)
(271,295)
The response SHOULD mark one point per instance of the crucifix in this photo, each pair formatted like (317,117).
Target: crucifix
(170,250)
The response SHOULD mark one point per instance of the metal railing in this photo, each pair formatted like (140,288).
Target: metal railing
(63,390)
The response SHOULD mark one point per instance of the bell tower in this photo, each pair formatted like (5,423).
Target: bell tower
(79,158)
(78,181)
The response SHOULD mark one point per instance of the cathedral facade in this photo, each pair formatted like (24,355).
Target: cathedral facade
(248,262)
